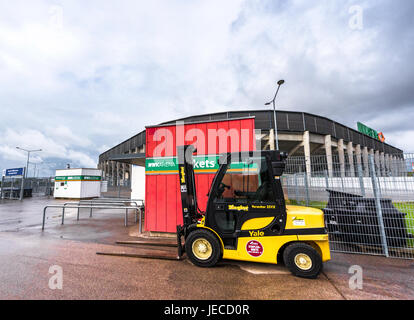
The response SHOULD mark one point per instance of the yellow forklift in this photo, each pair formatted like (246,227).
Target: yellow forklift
(246,217)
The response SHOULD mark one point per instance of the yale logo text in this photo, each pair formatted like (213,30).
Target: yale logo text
(256,233)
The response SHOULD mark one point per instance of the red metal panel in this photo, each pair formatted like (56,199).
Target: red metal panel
(202,190)
(212,140)
(190,134)
(171,209)
(201,140)
(248,136)
(150,143)
(223,144)
(234,135)
(179,137)
(210,180)
(151,203)
(173,141)
(161,203)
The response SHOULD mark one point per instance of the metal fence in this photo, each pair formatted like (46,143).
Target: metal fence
(122,189)
(40,186)
(12,188)
(368,205)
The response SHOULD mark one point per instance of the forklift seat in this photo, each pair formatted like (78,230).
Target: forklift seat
(264,192)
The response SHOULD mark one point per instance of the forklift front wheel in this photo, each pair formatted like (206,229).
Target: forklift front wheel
(203,248)
(302,260)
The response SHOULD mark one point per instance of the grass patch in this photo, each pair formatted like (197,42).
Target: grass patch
(408,209)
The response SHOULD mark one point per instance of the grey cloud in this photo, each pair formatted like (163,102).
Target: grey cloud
(114,68)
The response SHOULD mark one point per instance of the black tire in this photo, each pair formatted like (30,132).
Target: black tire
(203,237)
(302,260)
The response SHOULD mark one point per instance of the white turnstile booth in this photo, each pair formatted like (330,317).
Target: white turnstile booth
(138,182)
(78,183)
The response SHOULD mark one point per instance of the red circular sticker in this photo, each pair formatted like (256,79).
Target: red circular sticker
(254,248)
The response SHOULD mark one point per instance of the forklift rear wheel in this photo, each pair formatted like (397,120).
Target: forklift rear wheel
(203,248)
(302,260)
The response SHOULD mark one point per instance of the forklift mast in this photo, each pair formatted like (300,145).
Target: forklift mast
(187,184)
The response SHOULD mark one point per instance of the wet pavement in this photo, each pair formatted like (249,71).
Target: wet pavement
(27,254)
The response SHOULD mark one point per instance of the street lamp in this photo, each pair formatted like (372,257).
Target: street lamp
(280,82)
(34,170)
(35,167)
(28,157)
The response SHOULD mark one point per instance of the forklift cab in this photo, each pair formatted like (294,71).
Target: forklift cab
(246,188)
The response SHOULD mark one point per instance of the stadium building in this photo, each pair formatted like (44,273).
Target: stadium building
(339,150)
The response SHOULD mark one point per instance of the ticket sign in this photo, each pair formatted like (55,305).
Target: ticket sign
(14,172)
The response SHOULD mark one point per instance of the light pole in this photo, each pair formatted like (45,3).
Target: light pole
(280,82)
(35,167)
(34,170)
(28,157)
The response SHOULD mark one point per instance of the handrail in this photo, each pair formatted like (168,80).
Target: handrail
(94,203)
(89,207)
(110,201)
(98,200)
(119,199)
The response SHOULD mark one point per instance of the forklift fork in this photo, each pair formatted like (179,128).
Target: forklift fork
(181,248)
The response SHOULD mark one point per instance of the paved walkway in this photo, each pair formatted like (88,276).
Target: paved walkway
(27,255)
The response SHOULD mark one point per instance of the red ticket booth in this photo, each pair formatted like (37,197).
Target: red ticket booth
(211,138)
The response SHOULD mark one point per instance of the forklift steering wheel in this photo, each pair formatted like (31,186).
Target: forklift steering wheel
(221,188)
(224,186)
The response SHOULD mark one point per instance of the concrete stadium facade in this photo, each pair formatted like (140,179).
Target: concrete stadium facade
(302,135)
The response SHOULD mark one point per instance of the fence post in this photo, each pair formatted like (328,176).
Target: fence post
(361,180)
(11,189)
(306,189)
(22,187)
(283,182)
(378,204)
(140,220)
(326,179)
(2,187)
(342,183)
(296,189)
(47,188)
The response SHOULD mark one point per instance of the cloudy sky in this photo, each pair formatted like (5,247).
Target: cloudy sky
(77,77)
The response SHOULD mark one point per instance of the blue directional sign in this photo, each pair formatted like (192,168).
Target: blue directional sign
(14,172)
